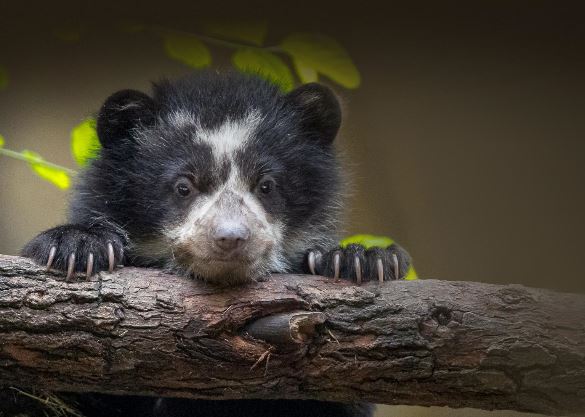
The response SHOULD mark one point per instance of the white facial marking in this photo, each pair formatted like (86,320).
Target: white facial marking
(231,135)
(234,202)
(232,199)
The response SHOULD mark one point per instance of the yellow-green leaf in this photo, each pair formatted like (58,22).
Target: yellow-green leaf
(367,241)
(306,73)
(253,32)
(2,142)
(85,144)
(187,49)
(324,55)
(56,176)
(265,64)
(411,274)
(3,78)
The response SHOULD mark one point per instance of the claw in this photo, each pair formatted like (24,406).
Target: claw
(70,266)
(110,257)
(336,262)
(380,268)
(312,262)
(396,267)
(52,253)
(358,269)
(89,269)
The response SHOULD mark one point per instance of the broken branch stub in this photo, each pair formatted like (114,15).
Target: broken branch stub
(286,330)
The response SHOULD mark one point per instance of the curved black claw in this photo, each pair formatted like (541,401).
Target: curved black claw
(359,264)
(76,249)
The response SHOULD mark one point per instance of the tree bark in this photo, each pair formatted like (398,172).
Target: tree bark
(426,342)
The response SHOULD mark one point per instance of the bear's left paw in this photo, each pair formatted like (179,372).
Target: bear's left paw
(359,264)
(75,248)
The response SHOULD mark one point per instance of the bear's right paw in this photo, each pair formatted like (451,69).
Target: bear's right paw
(356,263)
(76,248)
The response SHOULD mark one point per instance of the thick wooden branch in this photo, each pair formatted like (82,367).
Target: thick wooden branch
(428,342)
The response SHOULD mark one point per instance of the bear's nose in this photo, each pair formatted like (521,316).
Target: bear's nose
(230,236)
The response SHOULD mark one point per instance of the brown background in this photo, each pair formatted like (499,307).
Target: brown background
(465,138)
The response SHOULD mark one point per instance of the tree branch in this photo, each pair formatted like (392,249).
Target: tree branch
(428,342)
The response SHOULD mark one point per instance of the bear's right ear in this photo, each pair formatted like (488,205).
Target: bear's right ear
(319,109)
(122,112)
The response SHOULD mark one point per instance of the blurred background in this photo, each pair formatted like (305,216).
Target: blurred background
(465,135)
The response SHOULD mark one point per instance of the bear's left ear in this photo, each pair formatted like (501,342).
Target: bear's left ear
(319,109)
(122,112)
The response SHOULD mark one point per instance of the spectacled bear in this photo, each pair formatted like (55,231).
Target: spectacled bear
(218,176)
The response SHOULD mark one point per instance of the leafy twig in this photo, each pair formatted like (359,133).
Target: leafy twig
(21,157)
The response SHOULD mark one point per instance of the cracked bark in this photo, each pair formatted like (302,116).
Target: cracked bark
(428,342)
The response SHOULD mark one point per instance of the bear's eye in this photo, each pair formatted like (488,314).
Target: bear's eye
(266,185)
(183,188)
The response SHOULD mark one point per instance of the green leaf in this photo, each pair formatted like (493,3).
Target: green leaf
(2,141)
(265,64)
(3,78)
(411,274)
(367,241)
(187,49)
(322,54)
(252,32)
(56,176)
(306,73)
(85,144)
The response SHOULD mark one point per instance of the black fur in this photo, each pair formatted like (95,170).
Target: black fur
(81,240)
(100,405)
(320,110)
(127,197)
(368,259)
(122,112)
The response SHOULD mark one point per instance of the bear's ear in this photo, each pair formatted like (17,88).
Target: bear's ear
(122,112)
(319,109)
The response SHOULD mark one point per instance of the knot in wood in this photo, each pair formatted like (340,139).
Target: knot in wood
(441,315)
